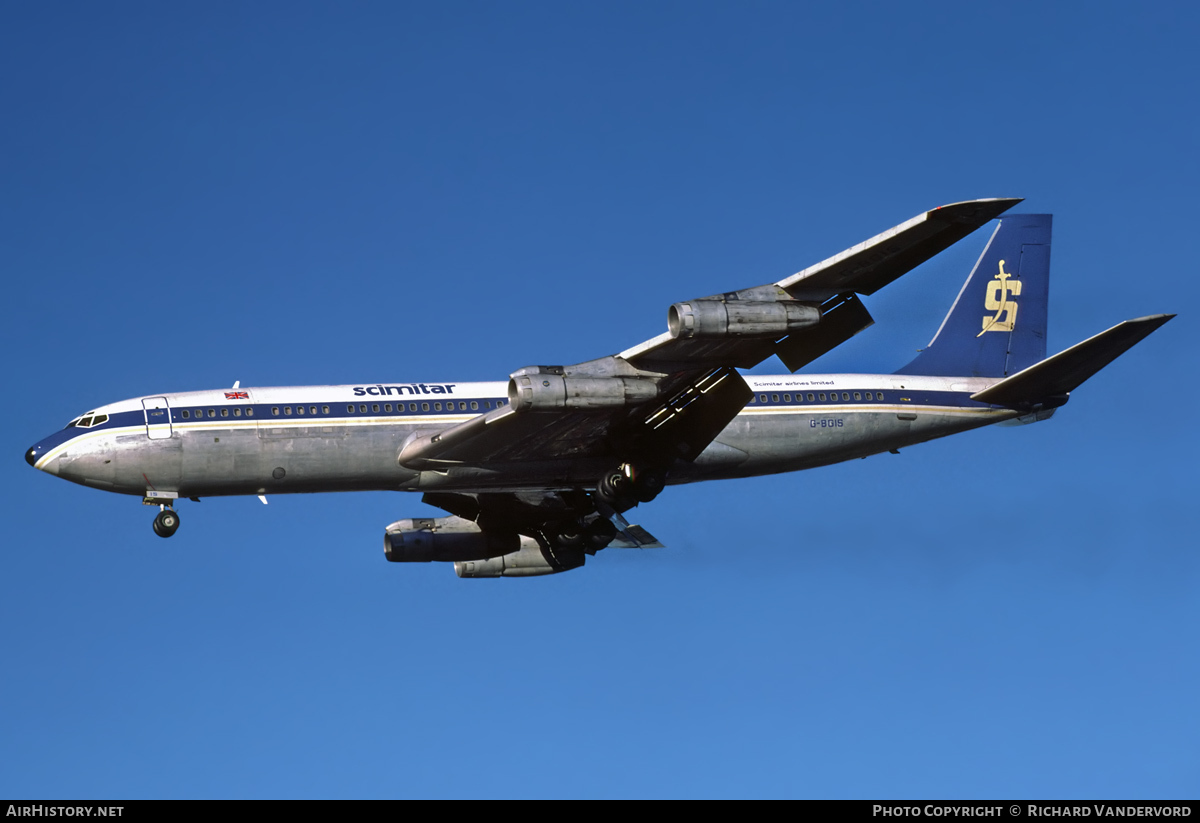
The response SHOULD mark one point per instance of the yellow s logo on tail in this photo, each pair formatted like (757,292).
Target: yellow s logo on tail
(998,292)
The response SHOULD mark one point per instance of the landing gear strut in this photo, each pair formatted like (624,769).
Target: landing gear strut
(166,523)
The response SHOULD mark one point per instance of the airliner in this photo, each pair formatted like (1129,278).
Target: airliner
(536,473)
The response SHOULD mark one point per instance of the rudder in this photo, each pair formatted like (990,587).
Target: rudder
(997,325)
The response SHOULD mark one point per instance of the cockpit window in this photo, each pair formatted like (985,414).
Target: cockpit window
(88,421)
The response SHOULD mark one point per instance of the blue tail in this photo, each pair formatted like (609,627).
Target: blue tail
(997,326)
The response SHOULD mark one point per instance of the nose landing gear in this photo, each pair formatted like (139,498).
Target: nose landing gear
(166,523)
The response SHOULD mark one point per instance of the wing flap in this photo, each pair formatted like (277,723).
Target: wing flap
(635,537)
(841,319)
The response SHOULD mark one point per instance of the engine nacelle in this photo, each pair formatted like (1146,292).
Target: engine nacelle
(531,561)
(423,539)
(740,318)
(545,390)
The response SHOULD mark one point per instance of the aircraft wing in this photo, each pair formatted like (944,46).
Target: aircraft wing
(872,264)
(668,397)
(830,286)
(677,425)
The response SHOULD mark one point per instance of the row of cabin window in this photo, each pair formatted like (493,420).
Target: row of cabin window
(287,411)
(463,405)
(819,398)
(186,414)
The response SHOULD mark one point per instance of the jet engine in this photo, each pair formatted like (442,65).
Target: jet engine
(424,539)
(475,552)
(534,389)
(739,318)
(531,561)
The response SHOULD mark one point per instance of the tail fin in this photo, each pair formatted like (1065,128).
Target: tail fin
(997,325)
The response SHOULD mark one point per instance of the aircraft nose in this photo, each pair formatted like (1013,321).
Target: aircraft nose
(35,454)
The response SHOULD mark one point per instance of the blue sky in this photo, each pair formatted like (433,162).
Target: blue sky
(315,193)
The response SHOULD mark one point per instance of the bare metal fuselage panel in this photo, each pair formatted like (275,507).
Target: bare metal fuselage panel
(199,448)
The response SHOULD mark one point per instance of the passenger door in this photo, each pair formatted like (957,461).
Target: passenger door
(158,418)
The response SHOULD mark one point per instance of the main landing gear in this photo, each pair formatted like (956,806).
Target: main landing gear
(627,485)
(590,535)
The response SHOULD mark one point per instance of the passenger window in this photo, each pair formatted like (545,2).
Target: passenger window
(424,407)
(857,396)
(275,410)
(810,397)
(375,408)
(412,407)
(474,405)
(299,410)
(186,414)
(312,409)
(774,398)
(787,398)
(249,411)
(199,413)
(237,412)
(224,412)
(362,407)
(387,407)
(349,410)
(287,411)
(821,397)
(845,395)
(762,398)
(879,395)
(212,412)
(437,406)
(324,410)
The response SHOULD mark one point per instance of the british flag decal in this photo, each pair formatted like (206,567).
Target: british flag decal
(236,395)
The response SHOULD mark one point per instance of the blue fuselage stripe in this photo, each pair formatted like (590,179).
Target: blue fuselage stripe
(274,413)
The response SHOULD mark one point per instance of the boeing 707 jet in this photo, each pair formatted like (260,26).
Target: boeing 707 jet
(538,472)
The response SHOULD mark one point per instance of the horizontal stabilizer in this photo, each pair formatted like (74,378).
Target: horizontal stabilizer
(1066,371)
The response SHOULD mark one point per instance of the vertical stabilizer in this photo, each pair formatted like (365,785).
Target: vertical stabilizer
(997,325)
